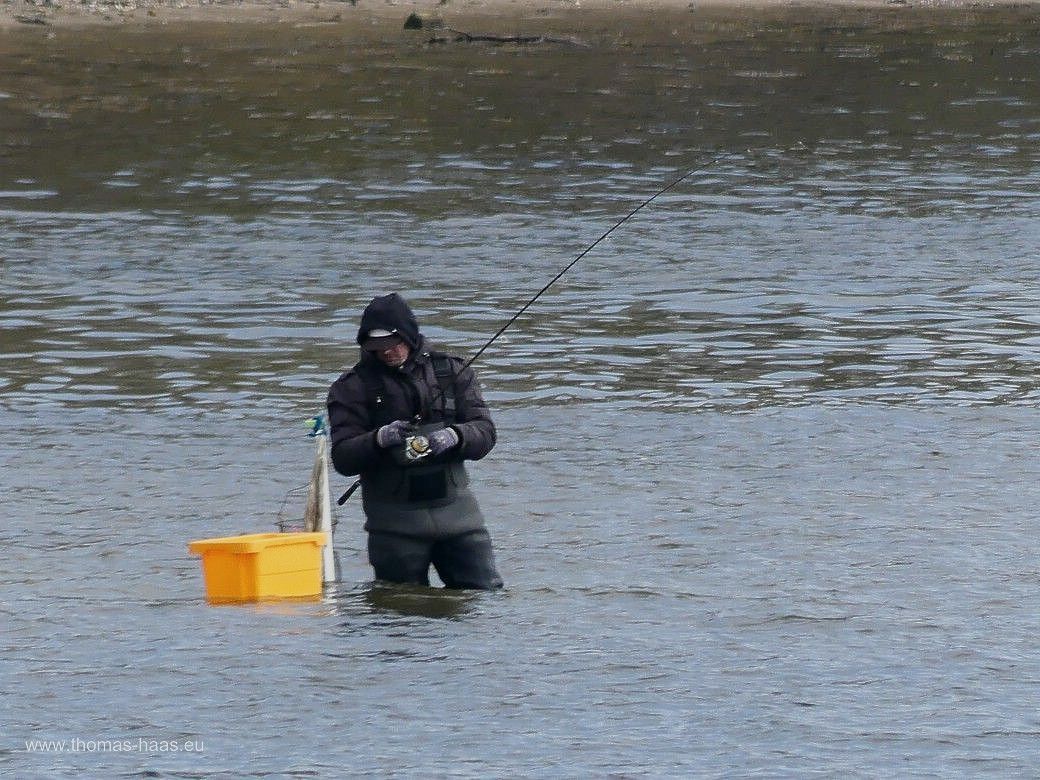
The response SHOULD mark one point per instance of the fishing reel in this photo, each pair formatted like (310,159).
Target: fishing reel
(416,447)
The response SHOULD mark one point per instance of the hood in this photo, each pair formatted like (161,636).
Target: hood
(390,312)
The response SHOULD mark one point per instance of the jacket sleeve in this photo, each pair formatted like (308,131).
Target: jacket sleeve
(473,422)
(352,437)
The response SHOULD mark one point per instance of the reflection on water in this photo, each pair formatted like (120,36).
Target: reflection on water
(193,220)
(764,495)
(377,599)
(678,310)
(877,113)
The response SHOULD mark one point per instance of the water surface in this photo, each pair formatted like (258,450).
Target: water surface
(765,492)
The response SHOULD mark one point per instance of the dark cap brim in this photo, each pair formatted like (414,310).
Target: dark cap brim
(379,343)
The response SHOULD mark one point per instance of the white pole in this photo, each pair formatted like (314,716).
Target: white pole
(328,555)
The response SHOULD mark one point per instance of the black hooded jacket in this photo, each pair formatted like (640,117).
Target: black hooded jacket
(404,393)
(389,312)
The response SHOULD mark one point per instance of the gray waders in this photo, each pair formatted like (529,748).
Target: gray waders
(423,513)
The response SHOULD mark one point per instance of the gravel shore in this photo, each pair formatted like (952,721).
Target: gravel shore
(78,13)
(15,14)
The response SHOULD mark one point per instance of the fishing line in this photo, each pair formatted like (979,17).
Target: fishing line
(592,246)
(671,185)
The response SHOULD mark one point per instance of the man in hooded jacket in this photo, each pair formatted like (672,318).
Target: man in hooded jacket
(418,510)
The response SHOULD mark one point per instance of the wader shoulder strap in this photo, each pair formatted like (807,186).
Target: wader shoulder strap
(446,379)
(375,389)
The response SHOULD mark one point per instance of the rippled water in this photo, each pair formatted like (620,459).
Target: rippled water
(765,494)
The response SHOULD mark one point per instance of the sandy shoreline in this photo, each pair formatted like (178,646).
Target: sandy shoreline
(15,14)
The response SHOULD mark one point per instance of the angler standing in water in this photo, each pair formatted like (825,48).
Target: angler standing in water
(405,419)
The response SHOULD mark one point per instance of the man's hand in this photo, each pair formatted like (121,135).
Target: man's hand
(443,440)
(392,434)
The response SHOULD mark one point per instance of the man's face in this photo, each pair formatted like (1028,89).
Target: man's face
(394,356)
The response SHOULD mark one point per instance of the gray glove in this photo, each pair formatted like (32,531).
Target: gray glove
(392,434)
(443,440)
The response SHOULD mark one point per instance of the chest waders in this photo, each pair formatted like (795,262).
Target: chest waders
(427,498)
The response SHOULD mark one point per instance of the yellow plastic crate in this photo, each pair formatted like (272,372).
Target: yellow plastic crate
(255,567)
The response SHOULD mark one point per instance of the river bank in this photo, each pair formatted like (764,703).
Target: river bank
(16,14)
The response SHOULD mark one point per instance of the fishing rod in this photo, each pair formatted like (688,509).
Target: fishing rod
(671,185)
(703,167)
